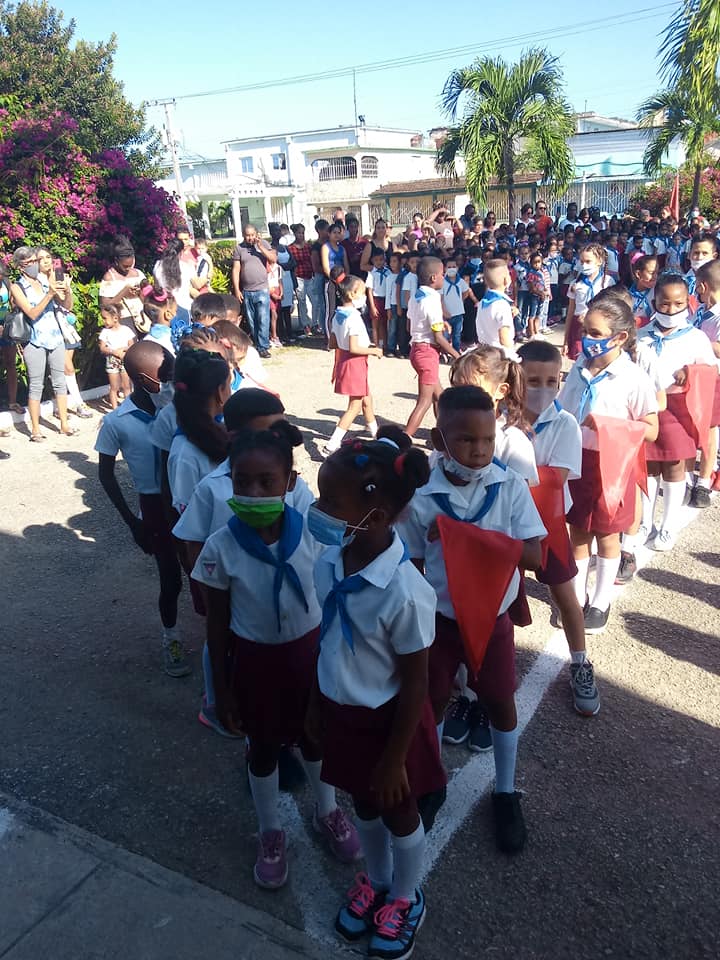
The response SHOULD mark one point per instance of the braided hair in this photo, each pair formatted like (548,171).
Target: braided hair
(198,375)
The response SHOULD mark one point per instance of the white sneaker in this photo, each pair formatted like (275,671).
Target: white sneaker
(663,541)
(643,535)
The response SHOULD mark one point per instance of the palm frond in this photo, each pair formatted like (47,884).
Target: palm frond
(691,47)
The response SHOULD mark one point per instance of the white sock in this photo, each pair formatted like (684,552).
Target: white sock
(324,793)
(629,542)
(689,478)
(704,482)
(673,494)
(605,573)
(408,855)
(336,439)
(74,398)
(648,502)
(375,841)
(505,754)
(440,728)
(578,656)
(373,428)
(580,580)
(265,794)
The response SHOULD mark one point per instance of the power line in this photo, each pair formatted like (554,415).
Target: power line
(635,16)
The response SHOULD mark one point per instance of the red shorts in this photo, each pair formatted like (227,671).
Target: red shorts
(425,360)
(715,418)
(156,522)
(557,571)
(496,679)
(351,375)
(353,742)
(587,512)
(674,442)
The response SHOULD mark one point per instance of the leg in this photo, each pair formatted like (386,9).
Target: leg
(369,415)
(75,401)
(608,561)
(586,698)
(273,320)
(170,585)
(628,564)
(648,502)
(114,382)
(9,355)
(581,541)
(125,383)
(701,492)
(344,424)
(56,362)
(673,488)
(426,395)
(35,362)
(392,327)
(510,831)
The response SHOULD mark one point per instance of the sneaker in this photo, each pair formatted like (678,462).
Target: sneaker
(327,451)
(643,534)
(457,715)
(85,413)
(264,354)
(479,740)
(340,833)
(510,831)
(596,620)
(396,927)
(700,498)
(627,568)
(208,718)
(356,917)
(271,870)
(664,541)
(689,495)
(175,662)
(291,775)
(585,693)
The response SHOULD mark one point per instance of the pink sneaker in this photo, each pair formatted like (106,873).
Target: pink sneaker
(340,833)
(271,870)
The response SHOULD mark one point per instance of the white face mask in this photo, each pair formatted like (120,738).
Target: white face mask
(164,396)
(697,262)
(451,272)
(459,470)
(587,268)
(669,320)
(360,302)
(538,399)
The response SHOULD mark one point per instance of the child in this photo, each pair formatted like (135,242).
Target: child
(378,737)
(397,331)
(538,281)
(494,315)
(114,341)
(409,282)
(677,343)
(160,308)
(204,268)
(644,272)
(376,286)
(127,431)
(703,249)
(522,265)
(613,258)
(604,380)
(675,250)
(469,485)
(473,274)
(426,326)
(205,310)
(557,441)
(592,278)
(708,320)
(551,263)
(565,277)
(238,343)
(262,631)
(454,292)
(349,337)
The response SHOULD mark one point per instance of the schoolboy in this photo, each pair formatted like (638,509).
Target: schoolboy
(707,318)
(454,292)
(494,316)
(205,310)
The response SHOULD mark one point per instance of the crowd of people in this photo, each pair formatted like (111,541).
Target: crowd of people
(370,621)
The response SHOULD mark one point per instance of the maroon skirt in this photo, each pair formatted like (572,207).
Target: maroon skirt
(574,339)
(496,679)
(156,522)
(354,739)
(272,682)
(715,419)
(588,512)
(351,375)
(555,570)
(674,441)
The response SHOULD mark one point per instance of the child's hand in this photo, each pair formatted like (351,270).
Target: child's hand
(433,533)
(514,310)
(447,328)
(389,783)
(681,376)
(226,708)
(376,352)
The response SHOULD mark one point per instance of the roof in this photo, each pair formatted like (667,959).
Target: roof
(306,133)
(444,185)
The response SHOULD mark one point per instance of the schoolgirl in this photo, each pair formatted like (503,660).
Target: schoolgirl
(160,308)
(644,272)
(592,278)
(707,319)
(378,280)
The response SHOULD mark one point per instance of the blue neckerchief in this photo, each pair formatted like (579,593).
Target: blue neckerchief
(589,395)
(640,299)
(341,314)
(383,272)
(420,294)
(236,381)
(539,427)
(491,296)
(658,341)
(453,283)
(700,315)
(491,492)
(181,328)
(591,283)
(335,603)
(691,282)
(249,541)
(158,331)
(141,415)
(475,273)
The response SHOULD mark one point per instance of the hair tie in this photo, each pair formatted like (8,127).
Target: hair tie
(339,278)
(388,441)
(399,464)
(223,341)
(181,386)
(362,460)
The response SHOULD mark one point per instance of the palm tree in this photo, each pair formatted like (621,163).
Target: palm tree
(691,47)
(502,105)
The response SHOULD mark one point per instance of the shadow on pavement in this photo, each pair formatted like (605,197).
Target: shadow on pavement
(679,642)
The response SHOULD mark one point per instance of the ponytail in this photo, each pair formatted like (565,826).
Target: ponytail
(490,364)
(198,375)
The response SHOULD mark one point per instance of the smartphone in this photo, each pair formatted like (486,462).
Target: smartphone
(59,272)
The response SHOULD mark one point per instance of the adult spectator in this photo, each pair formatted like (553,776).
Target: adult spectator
(571,218)
(188,254)
(354,247)
(339,218)
(177,276)
(8,349)
(543,223)
(332,257)
(250,284)
(466,220)
(300,251)
(443,223)
(120,286)
(380,242)
(37,296)
(490,222)
(526,217)
(413,232)
(317,294)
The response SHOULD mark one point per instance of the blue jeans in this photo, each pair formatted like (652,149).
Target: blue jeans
(257,307)
(317,299)
(392,333)
(457,327)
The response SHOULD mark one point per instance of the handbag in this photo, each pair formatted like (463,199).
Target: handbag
(141,320)
(70,335)
(18,328)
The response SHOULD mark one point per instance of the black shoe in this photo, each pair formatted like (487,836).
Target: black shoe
(456,727)
(627,568)
(429,805)
(479,740)
(4,455)
(596,620)
(689,495)
(510,831)
(700,498)
(265,354)
(291,775)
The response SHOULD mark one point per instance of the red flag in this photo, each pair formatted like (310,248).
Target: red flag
(675,197)
(480,565)
(699,395)
(549,499)
(622,451)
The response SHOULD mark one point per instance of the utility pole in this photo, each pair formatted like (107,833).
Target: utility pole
(355,113)
(170,134)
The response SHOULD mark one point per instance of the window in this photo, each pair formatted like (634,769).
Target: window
(279,162)
(335,168)
(369,167)
(246,164)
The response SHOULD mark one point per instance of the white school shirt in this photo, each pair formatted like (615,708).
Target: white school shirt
(377,281)
(186,467)
(161,334)
(647,361)
(347,323)
(513,513)
(490,319)
(515,450)
(673,257)
(208,510)
(583,290)
(626,393)
(648,247)
(117,338)
(710,326)
(164,427)
(409,285)
(452,296)
(613,260)
(393,615)
(123,431)
(691,347)
(558,443)
(425,315)
(252,366)
(391,289)
(224,565)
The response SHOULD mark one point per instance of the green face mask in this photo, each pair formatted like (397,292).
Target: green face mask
(257,512)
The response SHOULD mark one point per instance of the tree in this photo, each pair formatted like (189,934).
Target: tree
(40,64)
(656,196)
(504,105)
(691,46)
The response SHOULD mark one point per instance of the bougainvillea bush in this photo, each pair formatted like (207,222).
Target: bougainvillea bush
(655,196)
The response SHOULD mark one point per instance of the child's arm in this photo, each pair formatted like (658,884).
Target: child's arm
(218,636)
(443,344)
(506,338)
(568,323)
(108,481)
(531,556)
(652,426)
(359,351)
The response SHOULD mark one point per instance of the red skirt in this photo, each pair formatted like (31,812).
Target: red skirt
(156,522)
(354,739)
(351,375)
(587,512)
(574,338)
(715,419)
(674,442)
(380,306)
(273,683)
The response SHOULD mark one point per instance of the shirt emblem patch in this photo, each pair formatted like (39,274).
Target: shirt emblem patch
(209,566)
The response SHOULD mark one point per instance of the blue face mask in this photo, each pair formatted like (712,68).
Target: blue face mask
(475,261)
(331,531)
(592,348)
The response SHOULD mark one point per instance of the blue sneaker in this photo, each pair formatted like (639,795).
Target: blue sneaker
(396,926)
(208,718)
(355,919)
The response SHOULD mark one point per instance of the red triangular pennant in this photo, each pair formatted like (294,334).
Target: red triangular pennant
(699,394)
(622,452)
(549,499)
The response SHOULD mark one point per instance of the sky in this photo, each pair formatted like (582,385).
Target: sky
(168,49)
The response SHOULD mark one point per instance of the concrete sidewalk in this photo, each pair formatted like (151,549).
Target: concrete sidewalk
(72,896)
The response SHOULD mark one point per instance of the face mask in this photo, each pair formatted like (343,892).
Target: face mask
(475,261)
(452,273)
(538,399)
(257,512)
(596,348)
(587,268)
(164,396)
(32,270)
(332,531)
(695,262)
(670,320)
(359,303)
(459,470)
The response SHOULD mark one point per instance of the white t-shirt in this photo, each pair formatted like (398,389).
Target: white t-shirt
(512,513)
(113,282)
(710,326)
(377,282)
(692,346)
(127,431)
(583,290)
(515,450)
(558,443)
(409,287)
(425,315)
(252,366)
(186,467)
(117,338)
(224,565)
(393,615)
(452,296)
(391,289)
(164,427)
(491,318)
(181,293)
(347,323)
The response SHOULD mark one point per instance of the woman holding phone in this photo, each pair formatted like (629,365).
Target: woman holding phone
(121,284)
